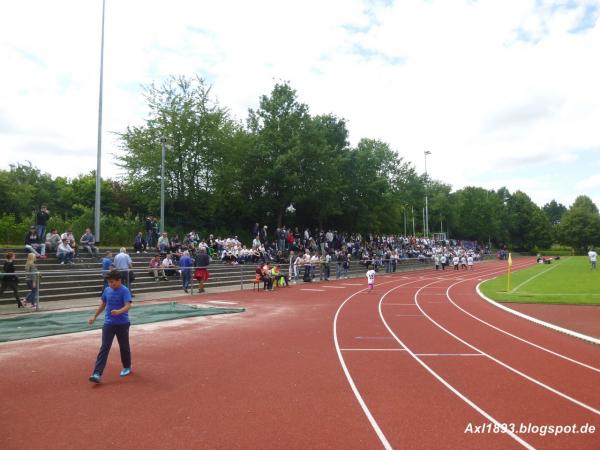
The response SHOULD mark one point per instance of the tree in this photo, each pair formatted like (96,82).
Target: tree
(528,226)
(580,225)
(554,211)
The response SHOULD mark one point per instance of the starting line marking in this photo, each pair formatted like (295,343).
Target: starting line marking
(222,302)
(334,287)
(373,349)
(315,290)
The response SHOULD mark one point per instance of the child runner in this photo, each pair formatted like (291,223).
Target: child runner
(371,278)
(116,300)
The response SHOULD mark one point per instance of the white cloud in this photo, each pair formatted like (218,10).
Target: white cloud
(488,87)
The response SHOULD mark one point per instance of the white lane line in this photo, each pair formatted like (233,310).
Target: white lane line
(539,322)
(314,290)
(448,354)
(516,288)
(350,380)
(445,383)
(503,364)
(222,302)
(373,349)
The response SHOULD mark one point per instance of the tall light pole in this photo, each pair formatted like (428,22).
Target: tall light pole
(426,152)
(163,142)
(99,152)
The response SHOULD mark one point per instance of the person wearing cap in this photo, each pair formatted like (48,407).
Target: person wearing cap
(64,252)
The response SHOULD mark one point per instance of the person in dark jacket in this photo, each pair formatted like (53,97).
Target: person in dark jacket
(201,272)
(9,280)
(41,219)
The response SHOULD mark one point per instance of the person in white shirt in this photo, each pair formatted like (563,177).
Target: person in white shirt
(593,258)
(168,265)
(436,260)
(463,262)
(470,261)
(455,262)
(443,261)
(370,279)
(64,252)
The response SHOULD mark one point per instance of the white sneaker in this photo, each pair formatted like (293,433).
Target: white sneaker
(62,262)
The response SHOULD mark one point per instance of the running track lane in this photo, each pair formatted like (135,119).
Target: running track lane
(490,386)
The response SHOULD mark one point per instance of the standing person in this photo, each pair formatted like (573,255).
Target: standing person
(436,260)
(149,226)
(186,263)
(116,301)
(371,278)
(124,265)
(32,280)
(41,219)
(593,257)
(107,266)
(10,280)
(443,261)
(470,262)
(463,262)
(201,273)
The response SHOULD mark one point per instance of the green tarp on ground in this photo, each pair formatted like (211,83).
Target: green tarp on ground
(39,325)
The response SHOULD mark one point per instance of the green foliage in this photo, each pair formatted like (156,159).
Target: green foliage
(580,225)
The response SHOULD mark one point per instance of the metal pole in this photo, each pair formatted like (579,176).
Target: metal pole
(424,230)
(99,151)
(405,221)
(163,142)
(412,210)
(427,152)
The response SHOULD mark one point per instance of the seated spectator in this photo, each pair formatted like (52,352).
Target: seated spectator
(278,277)
(52,240)
(33,244)
(163,244)
(64,252)
(168,266)
(139,243)
(264,274)
(88,242)
(68,235)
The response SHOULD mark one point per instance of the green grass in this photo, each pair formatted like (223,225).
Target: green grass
(567,281)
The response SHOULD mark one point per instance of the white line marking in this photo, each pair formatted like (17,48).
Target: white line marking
(443,381)
(543,323)
(314,290)
(449,354)
(516,288)
(221,302)
(334,287)
(373,349)
(503,364)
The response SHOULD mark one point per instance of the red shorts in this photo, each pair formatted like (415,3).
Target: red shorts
(201,274)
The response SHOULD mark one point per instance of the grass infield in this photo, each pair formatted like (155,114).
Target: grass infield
(569,280)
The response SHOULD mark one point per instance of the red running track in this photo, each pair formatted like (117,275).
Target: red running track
(410,365)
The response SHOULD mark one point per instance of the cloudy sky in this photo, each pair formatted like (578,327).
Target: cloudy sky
(502,92)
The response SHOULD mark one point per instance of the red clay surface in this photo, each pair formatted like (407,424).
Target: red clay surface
(273,377)
(581,318)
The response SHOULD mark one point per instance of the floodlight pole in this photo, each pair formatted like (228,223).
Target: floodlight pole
(163,142)
(426,227)
(99,151)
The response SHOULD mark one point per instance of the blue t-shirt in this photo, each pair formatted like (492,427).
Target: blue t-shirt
(115,299)
(106,263)
(185,262)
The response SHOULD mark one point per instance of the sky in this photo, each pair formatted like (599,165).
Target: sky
(501,92)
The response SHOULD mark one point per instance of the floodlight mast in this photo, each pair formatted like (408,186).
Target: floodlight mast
(99,150)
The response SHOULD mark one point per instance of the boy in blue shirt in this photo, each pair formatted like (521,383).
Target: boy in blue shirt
(116,300)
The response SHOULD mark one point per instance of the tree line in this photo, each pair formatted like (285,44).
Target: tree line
(282,165)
